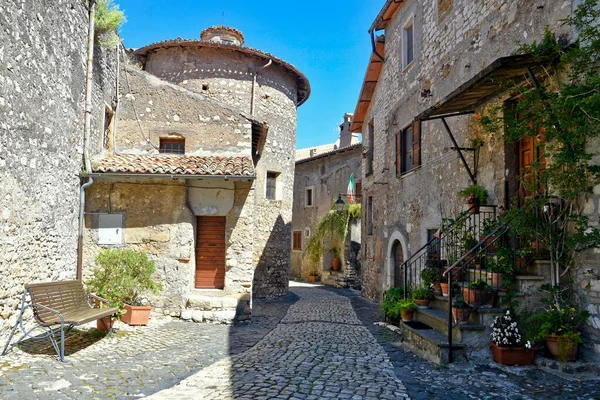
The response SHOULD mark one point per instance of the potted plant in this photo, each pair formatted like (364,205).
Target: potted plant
(474,196)
(432,277)
(460,311)
(476,294)
(422,296)
(500,267)
(389,304)
(507,342)
(522,256)
(488,227)
(313,274)
(336,263)
(560,330)
(123,277)
(407,309)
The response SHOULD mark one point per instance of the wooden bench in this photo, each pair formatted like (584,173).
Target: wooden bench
(56,306)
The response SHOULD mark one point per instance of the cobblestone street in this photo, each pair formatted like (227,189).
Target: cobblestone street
(315,343)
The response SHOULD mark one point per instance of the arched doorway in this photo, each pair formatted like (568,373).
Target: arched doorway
(397,259)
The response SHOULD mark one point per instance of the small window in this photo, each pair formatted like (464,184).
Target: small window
(408,148)
(370,216)
(271,192)
(172,146)
(307,232)
(371,148)
(297,243)
(309,197)
(408,42)
(110,229)
(358,191)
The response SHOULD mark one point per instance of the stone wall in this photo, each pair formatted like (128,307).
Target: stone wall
(449,50)
(227,77)
(42,94)
(327,176)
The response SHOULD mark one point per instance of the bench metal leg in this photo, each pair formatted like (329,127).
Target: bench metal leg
(14,329)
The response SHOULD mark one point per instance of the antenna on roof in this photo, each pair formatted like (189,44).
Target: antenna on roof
(223,18)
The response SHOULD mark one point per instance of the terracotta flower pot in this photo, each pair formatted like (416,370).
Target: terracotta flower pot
(473,208)
(496,278)
(513,355)
(136,315)
(422,303)
(336,264)
(445,289)
(437,288)
(475,298)
(407,315)
(312,278)
(562,348)
(105,324)
(459,314)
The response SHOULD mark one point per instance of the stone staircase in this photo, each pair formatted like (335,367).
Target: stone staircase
(216,307)
(336,279)
(427,334)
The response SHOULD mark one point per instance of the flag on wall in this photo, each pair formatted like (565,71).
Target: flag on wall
(351,189)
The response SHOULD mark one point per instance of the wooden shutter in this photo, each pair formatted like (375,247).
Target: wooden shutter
(398,154)
(416,145)
(297,240)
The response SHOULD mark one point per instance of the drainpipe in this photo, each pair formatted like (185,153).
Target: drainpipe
(116,115)
(80,238)
(374,47)
(254,85)
(88,90)
(86,136)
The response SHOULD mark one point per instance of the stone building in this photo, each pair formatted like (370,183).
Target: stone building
(434,63)
(322,174)
(42,96)
(200,173)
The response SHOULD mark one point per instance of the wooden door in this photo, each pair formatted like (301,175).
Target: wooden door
(530,184)
(210,253)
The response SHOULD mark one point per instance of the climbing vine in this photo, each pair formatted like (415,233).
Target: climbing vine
(561,115)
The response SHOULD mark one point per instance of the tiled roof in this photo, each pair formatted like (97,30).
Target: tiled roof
(176,165)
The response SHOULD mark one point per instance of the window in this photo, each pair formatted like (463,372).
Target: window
(358,191)
(369,215)
(271,192)
(309,197)
(369,168)
(110,229)
(172,146)
(408,44)
(307,232)
(408,148)
(297,242)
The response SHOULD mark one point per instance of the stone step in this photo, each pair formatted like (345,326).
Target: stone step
(438,320)
(426,342)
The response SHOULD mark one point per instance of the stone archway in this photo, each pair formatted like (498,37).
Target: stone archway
(396,254)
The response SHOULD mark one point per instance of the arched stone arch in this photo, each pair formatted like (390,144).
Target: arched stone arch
(396,243)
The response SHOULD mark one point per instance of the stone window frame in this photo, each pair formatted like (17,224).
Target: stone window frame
(312,197)
(369,219)
(297,241)
(273,194)
(409,23)
(403,150)
(306,232)
(171,145)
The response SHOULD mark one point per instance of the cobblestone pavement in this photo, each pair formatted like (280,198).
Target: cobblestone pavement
(319,350)
(130,364)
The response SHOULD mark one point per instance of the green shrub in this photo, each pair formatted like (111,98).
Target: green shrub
(430,275)
(123,276)
(108,19)
(406,305)
(474,194)
(479,285)
(422,293)
(390,300)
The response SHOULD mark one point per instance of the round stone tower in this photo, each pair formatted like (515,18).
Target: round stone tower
(267,88)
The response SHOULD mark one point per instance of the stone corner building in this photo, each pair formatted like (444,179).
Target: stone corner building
(436,63)
(199,173)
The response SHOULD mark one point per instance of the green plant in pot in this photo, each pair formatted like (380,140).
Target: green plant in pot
(432,276)
(500,267)
(407,309)
(388,306)
(124,277)
(460,311)
(477,294)
(474,195)
(422,296)
(336,263)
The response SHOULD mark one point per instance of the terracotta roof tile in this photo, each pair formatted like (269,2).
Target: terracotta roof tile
(176,165)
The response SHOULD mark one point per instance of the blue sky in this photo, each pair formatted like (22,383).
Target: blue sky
(326,40)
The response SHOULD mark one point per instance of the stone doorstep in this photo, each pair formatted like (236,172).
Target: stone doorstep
(217,317)
(208,302)
(428,344)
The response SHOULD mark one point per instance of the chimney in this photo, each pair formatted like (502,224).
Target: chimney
(347,138)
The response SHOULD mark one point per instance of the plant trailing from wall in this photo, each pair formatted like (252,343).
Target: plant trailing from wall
(561,116)
(474,194)
(123,276)
(109,18)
